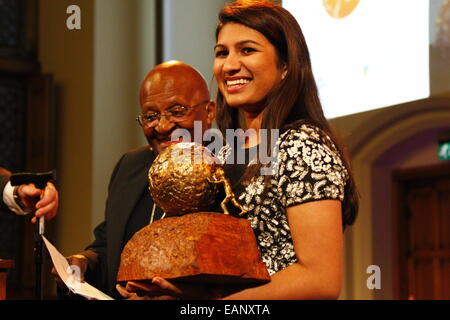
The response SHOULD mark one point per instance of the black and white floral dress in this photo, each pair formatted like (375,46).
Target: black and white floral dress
(308,168)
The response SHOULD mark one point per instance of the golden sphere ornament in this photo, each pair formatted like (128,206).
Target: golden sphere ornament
(181,179)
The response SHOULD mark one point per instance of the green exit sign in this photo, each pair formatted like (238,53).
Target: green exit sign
(444,151)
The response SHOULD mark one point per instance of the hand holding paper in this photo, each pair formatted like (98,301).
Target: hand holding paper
(70,275)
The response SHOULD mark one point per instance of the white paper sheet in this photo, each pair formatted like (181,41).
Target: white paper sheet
(70,277)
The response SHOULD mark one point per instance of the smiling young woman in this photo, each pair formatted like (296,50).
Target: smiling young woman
(265,81)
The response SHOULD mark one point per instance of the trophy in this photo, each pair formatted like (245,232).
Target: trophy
(192,244)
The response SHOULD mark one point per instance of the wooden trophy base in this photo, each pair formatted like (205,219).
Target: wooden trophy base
(203,247)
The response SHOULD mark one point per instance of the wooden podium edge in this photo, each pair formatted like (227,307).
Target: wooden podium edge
(4,266)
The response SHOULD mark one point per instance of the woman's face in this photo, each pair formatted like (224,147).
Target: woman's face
(245,66)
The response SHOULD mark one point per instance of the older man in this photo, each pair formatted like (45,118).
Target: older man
(25,198)
(173,95)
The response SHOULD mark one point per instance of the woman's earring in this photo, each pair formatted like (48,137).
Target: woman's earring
(285,71)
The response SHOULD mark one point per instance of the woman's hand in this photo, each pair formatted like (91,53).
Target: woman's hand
(137,290)
(161,289)
(128,295)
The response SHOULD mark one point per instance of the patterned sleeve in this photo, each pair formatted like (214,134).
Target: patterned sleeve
(309,167)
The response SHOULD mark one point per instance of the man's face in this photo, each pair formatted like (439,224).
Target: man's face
(166,97)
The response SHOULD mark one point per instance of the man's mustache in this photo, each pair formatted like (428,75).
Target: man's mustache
(175,134)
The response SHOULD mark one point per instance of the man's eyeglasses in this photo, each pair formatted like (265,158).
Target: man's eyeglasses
(176,113)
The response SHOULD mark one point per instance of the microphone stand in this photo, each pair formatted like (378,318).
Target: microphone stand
(38,257)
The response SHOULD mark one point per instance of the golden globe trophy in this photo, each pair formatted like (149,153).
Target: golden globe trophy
(192,244)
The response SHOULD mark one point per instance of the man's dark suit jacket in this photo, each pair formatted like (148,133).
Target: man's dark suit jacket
(4,178)
(126,188)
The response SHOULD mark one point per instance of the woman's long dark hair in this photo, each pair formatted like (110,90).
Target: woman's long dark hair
(295,99)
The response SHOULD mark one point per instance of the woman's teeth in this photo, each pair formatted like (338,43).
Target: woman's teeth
(237,82)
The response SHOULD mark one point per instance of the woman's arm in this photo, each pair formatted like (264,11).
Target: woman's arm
(316,229)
